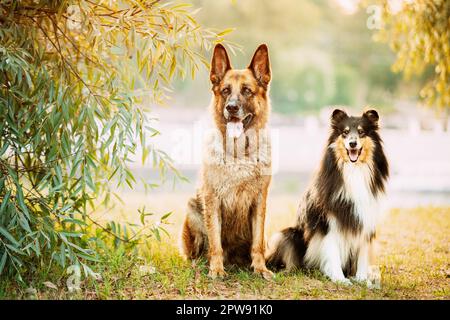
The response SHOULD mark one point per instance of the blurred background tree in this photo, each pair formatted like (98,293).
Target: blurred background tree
(321,54)
(419,33)
(73,75)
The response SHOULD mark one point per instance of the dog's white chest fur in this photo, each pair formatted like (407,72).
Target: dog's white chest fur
(357,188)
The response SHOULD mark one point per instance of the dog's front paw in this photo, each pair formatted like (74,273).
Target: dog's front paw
(216,272)
(342,281)
(361,279)
(367,282)
(259,266)
(216,267)
(375,277)
(373,285)
(263,271)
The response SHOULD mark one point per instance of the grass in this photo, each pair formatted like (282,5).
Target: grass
(413,255)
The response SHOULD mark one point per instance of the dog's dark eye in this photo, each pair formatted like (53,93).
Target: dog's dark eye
(226,91)
(360,132)
(246,91)
(346,131)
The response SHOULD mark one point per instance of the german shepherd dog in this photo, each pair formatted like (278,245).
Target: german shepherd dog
(339,212)
(225,220)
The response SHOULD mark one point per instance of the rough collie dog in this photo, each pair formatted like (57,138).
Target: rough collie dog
(339,212)
(225,220)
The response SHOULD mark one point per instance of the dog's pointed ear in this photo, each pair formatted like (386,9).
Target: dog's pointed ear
(220,64)
(372,116)
(337,116)
(260,65)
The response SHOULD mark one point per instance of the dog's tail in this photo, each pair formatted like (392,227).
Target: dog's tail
(194,242)
(286,249)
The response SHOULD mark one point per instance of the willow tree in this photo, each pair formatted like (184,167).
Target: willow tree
(419,32)
(76,81)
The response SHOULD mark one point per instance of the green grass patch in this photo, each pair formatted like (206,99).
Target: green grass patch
(413,255)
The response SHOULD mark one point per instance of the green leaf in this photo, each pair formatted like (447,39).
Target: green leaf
(62,254)
(164,217)
(4,148)
(225,32)
(5,201)
(21,200)
(71,234)
(75,221)
(88,257)
(8,236)
(3,262)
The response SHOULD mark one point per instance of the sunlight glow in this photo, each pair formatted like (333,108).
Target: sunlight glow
(395,6)
(348,6)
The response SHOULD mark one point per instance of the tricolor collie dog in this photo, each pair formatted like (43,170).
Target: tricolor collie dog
(338,214)
(225,220)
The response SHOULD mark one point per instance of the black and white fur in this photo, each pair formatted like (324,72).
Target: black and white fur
(339,212)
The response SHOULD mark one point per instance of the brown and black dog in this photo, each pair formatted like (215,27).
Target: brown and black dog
(225,220)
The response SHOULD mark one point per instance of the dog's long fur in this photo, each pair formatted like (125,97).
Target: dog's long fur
(338,214)
(225,220)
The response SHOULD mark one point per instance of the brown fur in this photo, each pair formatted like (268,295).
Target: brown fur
(225,221)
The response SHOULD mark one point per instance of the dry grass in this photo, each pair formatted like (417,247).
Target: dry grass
(413,255)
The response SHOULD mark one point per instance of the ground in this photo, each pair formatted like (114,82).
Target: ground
(413,255)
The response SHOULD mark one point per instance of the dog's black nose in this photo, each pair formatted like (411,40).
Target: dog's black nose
(352,144)
(232,108)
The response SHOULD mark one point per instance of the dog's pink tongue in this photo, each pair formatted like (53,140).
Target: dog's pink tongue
(353,154)
(235,129)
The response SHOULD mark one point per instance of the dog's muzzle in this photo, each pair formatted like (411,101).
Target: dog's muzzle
(237,125)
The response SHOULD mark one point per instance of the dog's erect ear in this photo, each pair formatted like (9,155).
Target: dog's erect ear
(372,115)
(220,64)
(337,116)
(260,65)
